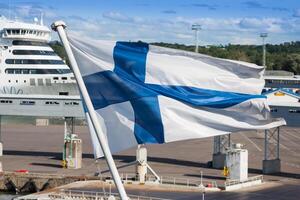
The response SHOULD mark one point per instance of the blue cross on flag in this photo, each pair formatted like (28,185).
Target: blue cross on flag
(147,94)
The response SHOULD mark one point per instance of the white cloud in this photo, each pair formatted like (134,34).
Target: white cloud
(23,11)
(119,26)
(183,36)
(293,25)
(116,16)
(266,24)
(27,12)
(214,31)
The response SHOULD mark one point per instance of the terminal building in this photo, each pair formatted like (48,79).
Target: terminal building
(283,93)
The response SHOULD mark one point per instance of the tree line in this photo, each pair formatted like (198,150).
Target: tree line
(285,56)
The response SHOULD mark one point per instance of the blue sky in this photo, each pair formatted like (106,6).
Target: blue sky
(223,21)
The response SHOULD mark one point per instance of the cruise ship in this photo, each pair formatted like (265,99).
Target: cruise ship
(28,64)
(31,73)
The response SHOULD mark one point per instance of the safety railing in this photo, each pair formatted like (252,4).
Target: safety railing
(184,182)
(89,195)
(250,179)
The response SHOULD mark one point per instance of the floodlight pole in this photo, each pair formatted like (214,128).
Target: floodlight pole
(263,36)
(196,28)
(60,26)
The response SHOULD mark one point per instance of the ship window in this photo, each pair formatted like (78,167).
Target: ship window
(52,103)
(25,71)
(48,82)
(55,78)
(33,52)
(63,93)
(34,62)
(294,111)
(72,103)
(15,31)
(64,78)
(40,81)
(9,71)
(32,82)
(28,43)
(273,109)
(32,71)
(38,71)
(27,103)
(5,101)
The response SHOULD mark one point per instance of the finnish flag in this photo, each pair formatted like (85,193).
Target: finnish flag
(144,94)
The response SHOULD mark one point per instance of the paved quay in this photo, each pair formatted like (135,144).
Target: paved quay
(39,150)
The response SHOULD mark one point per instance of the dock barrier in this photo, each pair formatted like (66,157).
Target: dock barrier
(131,178)
(230,185)
(88,195)
(250,179)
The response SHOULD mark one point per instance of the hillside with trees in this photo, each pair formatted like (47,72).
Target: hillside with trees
(284,56)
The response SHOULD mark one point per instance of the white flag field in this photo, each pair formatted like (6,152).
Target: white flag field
(144,94)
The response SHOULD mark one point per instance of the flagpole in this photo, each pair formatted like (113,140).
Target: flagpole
(60,26)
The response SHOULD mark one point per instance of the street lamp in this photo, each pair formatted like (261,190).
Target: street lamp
(196,28)
(263,36)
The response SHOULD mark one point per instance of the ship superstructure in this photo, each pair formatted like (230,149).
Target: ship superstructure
(28,65)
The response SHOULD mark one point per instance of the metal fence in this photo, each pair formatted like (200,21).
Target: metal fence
(175,181)
(89,195)
(250,179)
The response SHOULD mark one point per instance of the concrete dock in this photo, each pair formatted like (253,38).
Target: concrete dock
(39,150)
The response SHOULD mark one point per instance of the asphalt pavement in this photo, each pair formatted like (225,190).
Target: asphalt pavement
(39,149)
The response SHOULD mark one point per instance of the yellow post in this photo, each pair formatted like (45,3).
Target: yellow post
(225,171)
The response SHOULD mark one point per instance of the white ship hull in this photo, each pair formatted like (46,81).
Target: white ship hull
(22,84)
(34,80)
(29,65)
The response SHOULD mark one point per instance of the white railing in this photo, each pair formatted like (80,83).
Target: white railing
(89,195)
(250,179)
(184,182)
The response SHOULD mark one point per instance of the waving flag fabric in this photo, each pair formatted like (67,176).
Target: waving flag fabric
(148,94)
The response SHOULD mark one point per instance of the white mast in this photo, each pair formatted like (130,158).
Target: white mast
(60,26)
